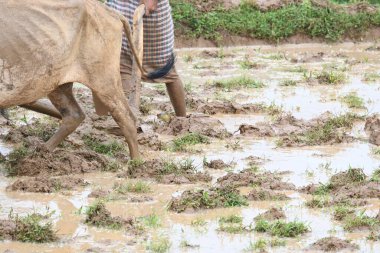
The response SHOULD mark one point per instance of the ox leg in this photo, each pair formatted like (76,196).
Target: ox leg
(63,99)
(121,113)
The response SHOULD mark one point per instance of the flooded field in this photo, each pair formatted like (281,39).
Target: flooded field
(270,128)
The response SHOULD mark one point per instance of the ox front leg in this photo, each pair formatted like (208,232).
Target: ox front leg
(63,99)
(121,113)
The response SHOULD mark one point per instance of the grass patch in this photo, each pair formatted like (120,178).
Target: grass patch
(198,222)
(208,199)
(136,187)
(183,143)
(13,158)
(232,224)
(330,77)
(275,25)
(261,244)
(353,101)
(33,228)
(97,215)
(111,148)
(281,228)
(376,176)
(152,221)
(318,202)
(341,212)
(323,133)
(239,82)
(159,244)
(247,64)
(359,222)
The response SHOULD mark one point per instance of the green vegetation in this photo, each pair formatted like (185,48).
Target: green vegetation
(198,222)
(33,228)
(275,25)
(110,148)
(262,244)
(232,224)
(208,199)
(318,202)
(341,212)
(159,244)
(152,221)
(352,222)
(376,176)
(247,64)
(178,168)
(183,143)
(137,187)
(353,101)
(281,228)
(330,77)
(239,82)
(14,157)
(97,215)
(323,133)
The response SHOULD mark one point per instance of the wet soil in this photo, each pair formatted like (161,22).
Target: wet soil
(193,124)
(372,128)
(266,195)
(46,184)
(266,180)
(192,200)
(350,187)
(60,162)
(225,107)
(217,164)
(165,172)
(272,214)
(333,244)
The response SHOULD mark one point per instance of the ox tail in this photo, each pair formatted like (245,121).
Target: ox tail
(159,73)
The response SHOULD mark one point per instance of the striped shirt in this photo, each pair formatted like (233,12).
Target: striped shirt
(158,31)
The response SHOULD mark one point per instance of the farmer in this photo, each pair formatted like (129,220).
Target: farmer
(158,47)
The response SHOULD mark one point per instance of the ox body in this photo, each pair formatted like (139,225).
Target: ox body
(46,45)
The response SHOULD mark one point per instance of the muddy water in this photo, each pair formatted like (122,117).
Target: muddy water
(303,165)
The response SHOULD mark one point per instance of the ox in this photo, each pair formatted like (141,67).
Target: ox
(46,45)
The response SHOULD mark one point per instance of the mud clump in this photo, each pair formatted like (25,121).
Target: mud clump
(372,128)
(194,124)
(45,184)
(215,107)
(97,215)
(217,164)
(99,193)
(37,129)
(350,187)
(272,214)
(265,195)
(333,244)
(150,140)
(166,172)
(192,200)
(326,129)
(266,180)
(38,161)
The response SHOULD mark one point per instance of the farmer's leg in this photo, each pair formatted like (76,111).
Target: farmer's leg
(176,92)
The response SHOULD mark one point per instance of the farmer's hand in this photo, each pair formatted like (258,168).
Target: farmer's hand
(150,5)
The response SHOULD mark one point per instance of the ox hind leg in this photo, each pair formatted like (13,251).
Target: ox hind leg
(63,99)
(118,106)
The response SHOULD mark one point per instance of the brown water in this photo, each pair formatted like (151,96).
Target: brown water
(306,165)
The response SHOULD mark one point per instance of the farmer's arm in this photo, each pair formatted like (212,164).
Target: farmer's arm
(150,5)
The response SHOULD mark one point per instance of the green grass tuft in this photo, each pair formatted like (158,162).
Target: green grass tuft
(183,143)
(109,148)
(136,187)
(159,244)
(281,228)
(353,101)
(239,82)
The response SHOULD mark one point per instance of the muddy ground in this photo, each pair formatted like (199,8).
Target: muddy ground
(292,146)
